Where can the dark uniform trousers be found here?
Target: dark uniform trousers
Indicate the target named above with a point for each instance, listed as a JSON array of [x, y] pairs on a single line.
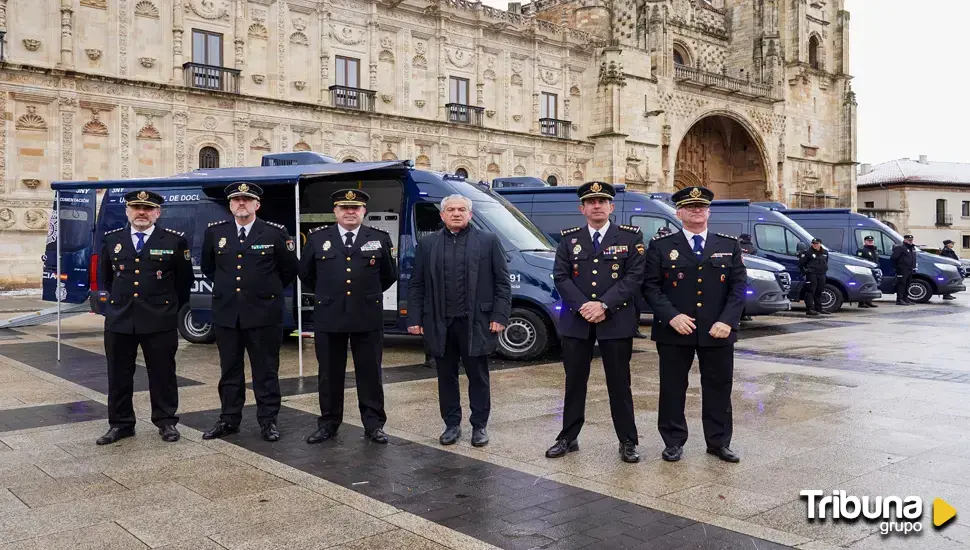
[[814, 285], [367, 348], [144, 292], [263, 346], [476, 368], [717, 375], [903, 279]]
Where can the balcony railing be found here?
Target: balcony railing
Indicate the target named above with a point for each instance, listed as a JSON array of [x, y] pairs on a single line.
[[465, 114], [945, 220], [211, 77], [554, 128], [357, 99], [722, 83]]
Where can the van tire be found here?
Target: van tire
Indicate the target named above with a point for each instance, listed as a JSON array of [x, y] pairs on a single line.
[[526, 336], [832, 296], [193, 332], [923, 291]]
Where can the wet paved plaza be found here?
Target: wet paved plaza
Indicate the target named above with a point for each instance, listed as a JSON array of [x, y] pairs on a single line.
[[873, 402]]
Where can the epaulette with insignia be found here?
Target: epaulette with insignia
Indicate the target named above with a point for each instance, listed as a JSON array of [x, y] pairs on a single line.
[[570, 230], [315, 229], [276, 225], [630, 228], [220, 222], [658, 237], [377, 229], [179, 233], [727, 236], [113, 231]]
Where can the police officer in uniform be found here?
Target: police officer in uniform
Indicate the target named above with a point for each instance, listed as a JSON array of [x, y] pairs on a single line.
[[349, 266], [694, 282], [948, 252], [870, 253], [250, 262], [147, 275], [746, 245], [814, 263], [904, 260], [598, 271]]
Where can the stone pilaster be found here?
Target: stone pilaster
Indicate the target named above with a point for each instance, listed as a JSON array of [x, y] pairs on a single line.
[[67, 35], [178, 29], [323, 17]]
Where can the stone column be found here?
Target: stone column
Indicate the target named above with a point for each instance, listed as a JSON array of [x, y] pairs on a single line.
[[241, 131], [373, 38], [3, 131], [3, 15], [67, 34], [842, 44], [125, 112], [181, 120], [323, 16], [123, 37], [406, 63], [239, 29], [282, 11], [178, 17], [67, 110]]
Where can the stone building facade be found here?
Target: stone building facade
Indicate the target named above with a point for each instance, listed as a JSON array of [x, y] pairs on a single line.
[[750, 97]]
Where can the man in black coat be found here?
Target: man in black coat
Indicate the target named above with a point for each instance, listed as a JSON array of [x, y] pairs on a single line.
[[348, 266], [904, 261], [146, 271], [250, 261], [948, 252], [460, 298], [870, 253], [598, 271], [814, 264], [695, 282]]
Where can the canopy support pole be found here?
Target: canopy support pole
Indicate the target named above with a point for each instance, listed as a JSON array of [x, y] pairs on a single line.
[[57, 279], [298, 295]]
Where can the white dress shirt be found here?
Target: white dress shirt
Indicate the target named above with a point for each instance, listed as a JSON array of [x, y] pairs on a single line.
[[690, 238], [248, 226], [343, 234], [602, 231], [134, 238]]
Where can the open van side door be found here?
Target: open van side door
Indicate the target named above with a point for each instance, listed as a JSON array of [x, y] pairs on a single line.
[[73, 223]]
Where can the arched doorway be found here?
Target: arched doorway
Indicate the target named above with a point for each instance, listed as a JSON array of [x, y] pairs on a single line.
[[720, 154]]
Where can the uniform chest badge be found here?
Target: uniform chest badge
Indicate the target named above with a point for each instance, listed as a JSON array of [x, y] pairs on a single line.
[[117, 248], [723, 277], [616, 267], [290, 245], [577, 249], [674, 254], [573, 241], [222, 242], [373, 261], [158, 274], [326, 245], [680, 275]]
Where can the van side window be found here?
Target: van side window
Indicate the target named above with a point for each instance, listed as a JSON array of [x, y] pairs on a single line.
[[777, 239], [552, 224], [832, 238], [734, 229], [427, 219], [649, 225], [883, 243]]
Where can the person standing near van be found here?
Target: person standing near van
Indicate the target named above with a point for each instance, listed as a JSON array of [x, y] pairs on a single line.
[[459, 299], [250, 261], [147, 273], [746, 245], [870, 253], [348, 266], [598, 271], [948, 252], [814, 263], [695, 282], [904, 261]]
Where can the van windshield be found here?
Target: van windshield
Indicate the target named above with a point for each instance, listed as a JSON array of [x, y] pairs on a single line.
[[511, 225]]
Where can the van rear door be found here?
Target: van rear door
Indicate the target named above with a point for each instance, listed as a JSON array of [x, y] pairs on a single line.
[[73, 225]]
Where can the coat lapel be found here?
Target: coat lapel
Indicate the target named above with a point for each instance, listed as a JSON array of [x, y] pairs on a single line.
[[254, 233], [152, 239], [612, 233], [685, 249], [710, 245]]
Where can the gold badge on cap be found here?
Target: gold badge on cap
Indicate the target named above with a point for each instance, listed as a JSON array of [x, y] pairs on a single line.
[[326, 245], [142, 196], [117, 248], [596, 187], [674, 254], [222, 242], [350, 195], [695, 193], [577, 249], [243, 188]]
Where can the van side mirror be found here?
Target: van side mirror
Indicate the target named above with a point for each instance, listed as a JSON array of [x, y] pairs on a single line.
[[801, 247]]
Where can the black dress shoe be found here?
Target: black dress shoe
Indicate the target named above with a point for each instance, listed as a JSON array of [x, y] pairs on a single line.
[[823, 312], [479, 437], [628, 452], [377, 436], [221, 429], [811, 313], [725, 454], [270, 432], [639, 335], [562, 447], [870, 304], [863, 305], [673, 453], [169, 434], [115, 434], [450, 435], [321, 435]]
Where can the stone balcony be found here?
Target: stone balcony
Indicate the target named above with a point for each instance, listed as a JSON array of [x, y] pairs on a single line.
[[719, 83]]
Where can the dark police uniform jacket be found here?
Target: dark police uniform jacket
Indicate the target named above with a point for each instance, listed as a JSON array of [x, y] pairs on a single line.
[[815, 262], [248, 279], [710, 290], [904, 259], [348, 285], [868, 253], [613, 276], [949, 253], [147, 289]]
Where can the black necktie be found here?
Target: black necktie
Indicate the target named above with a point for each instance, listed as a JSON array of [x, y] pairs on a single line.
[[349, 239], [242, 234], [596, 242]]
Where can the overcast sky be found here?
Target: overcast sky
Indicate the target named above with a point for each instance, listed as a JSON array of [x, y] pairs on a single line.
[[912, 80]]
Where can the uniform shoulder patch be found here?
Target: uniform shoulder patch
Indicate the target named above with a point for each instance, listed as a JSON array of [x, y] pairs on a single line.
[[570, 230], [315, 229], [113, 231], [658, 237], [174, 232], [726, 236], [630, 228], [220, 222]]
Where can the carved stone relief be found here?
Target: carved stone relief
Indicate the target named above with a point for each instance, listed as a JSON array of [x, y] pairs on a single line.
[[31, 120], [208, 9], [94, 126]]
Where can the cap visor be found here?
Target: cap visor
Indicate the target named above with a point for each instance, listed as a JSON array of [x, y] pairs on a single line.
[[142, 203], [694, 202], [349, 203], [248, 195], [596, 196]]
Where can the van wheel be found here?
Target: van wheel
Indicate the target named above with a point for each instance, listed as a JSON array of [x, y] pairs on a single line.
[[831, 299], [193, 331], [526, 336], [919, 291]]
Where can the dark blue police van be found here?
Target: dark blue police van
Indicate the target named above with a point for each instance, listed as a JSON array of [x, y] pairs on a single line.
[[404, 202], [553, 209], [843, 230]]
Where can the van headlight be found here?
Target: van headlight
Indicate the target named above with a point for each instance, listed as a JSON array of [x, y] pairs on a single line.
[[761, 275], [947, 267], [859, 270]]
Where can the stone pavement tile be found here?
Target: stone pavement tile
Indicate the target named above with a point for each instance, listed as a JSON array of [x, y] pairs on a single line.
[[194, 544], [97, 537], [590, 461], [114, 459], [47, 520], [892, 441], [437, 532], [792, 517], [784, 483], [47, 437], [398, 539], [313, 529], [960, 449], [53, 491], [20, 474], [143, 474], [726, 500], [178, 524], [840, 458], [819, 545], [220, 485], [952, 537], [656, 478], [10, 503], [887, 483], [935, 466]]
